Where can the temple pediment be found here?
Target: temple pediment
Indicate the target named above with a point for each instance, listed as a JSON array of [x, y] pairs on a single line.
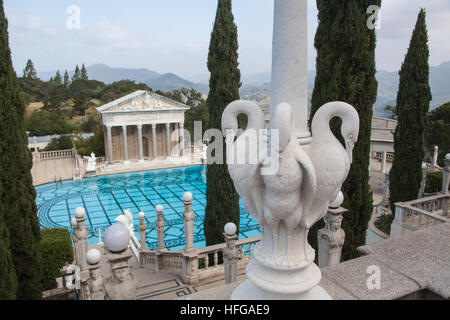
[[141, 101]]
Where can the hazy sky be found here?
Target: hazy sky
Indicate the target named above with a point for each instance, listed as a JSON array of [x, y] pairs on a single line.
[[173, 35]]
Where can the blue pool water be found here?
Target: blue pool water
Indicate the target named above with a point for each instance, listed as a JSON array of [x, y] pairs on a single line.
[[104, 198]]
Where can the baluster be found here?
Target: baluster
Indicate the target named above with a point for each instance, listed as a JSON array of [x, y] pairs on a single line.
[[216, 259], [426, 221], [242, 251], [250, 250], [206, 261]]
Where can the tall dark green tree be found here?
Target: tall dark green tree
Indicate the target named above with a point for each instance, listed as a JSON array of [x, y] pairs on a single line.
[[29, 72], [8, 280], [413, 103], [17, 194], [66, 81], [77, 74], [58, 78], [84, 74], [346, 72], [222, 200]]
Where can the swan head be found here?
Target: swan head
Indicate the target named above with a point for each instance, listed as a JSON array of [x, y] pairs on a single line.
[[350, 132], [230, 115], [283, 121]]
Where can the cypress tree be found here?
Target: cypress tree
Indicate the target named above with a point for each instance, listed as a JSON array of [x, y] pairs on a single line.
[[17, 194], [77, 74], [222, 199], [84, 75], [58, 78], [66, 80], [8, 281], [346, 72], [29, 72], [413, 102]]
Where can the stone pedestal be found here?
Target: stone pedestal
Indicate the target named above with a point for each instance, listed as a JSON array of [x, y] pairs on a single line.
[[423, 183], [446, 175], [188, 217], [331, 238], [160, 224], [122, 285], [230, 257]]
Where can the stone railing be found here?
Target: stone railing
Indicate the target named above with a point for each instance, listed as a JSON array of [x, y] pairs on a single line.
[[211, 267], [60, 154], [98, 160], [420, 214], [389, 156], [197, 264]]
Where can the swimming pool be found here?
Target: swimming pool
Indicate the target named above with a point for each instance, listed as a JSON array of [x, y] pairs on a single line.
[[105, 197]]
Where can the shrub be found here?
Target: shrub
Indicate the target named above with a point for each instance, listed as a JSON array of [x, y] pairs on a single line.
[[56, 251], [384, 222], [63, 142], [434, 182]]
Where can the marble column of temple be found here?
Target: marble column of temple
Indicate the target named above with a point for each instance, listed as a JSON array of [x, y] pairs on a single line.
[[167, 139], [125, 143], [140, 146]]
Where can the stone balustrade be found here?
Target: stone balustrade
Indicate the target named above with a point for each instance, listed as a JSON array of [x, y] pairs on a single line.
[[59, 154], [420, 214]]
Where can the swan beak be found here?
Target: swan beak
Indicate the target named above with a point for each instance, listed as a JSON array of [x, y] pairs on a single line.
[[349, 148]]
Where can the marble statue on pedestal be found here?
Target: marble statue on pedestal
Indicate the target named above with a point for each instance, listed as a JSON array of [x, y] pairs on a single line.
[[287, 204], [331, 238], [230, 253], [123, 284], [91, 167]]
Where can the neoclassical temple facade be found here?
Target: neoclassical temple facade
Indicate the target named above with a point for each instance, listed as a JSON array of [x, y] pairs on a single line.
[[140, 126]]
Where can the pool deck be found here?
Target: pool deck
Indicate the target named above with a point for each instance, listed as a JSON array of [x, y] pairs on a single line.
[[53, 170]]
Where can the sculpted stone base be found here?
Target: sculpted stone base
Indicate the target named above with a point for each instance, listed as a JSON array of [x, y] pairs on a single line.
[[267, 283]]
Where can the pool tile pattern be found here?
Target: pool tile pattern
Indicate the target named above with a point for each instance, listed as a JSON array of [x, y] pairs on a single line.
[[104, 198]]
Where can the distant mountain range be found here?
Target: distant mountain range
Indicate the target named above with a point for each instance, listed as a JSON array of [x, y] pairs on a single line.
[[256, 87]]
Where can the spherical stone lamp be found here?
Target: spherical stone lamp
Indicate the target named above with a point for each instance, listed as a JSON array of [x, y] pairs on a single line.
[[339, 200], [187, 196], [159, 208], [116, 238], [93, 256], [80, 212], [447, 156], [230, 229], [141, 215]]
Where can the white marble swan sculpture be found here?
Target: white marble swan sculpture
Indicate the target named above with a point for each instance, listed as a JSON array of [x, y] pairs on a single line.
[[278, 202], [331, 160]]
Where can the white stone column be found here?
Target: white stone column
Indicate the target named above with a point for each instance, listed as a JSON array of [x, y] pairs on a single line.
[[230, 252], [168, 139], [82, 234], [188, 217], [423, 183], [160, 223], [385, 201], [446, 175], [435, 156], [383, 162], [125, 143], [140, 146], [181, 129], [109, 144], [289, 61], [142, 228], [154, 149]]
